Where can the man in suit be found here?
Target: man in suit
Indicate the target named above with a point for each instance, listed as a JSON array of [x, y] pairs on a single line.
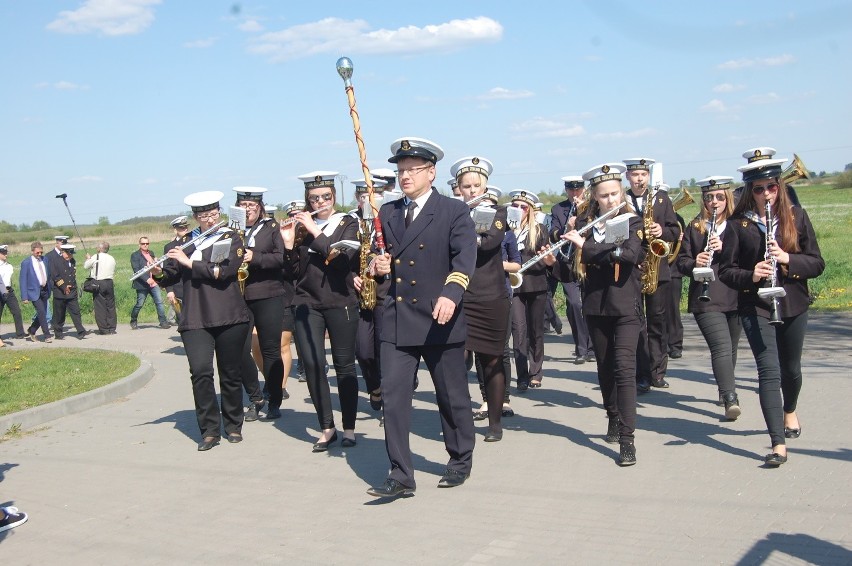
[[145, 285], [431, 254], [33, 283]]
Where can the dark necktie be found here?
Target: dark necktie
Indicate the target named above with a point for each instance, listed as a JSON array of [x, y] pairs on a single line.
[[409, 213]]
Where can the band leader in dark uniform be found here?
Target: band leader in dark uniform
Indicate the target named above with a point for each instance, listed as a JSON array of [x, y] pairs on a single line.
[[431, 245], [776, 333], [264, 293], [65, 292], [714, 303], [611, 303], [214, 319], [486, 305], [325, 301]]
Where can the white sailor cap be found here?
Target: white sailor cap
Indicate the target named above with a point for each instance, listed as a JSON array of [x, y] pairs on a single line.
[[386, 175], [759, 154], [318, 179], [4, 249], [415, 147], [663, 187], [68, 248], [604, 172], [639, 163], [471, 165], [294, 206], [715, 183], [180, 222], [62, 239], [494, 193], [524, 195], [270, 210], [361, 185], [573, 182], [763, 169], [203, 201], [254, 194], [453, 183]]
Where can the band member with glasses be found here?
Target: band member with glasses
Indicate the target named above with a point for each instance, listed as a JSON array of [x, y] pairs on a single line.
[[530, 298], [325, 301], [214, 319], [264, 295], [612, 293], [788, 255], [486, 305], [714, 303], [431, 254]]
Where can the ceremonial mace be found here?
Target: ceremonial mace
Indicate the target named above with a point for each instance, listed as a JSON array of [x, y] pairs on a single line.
[[64, 196]]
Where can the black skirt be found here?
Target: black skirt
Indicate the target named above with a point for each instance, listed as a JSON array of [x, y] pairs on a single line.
[[487, 326]]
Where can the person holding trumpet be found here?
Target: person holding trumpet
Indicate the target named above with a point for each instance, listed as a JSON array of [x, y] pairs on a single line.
[[611, 282], [712, 302], [774, 242]]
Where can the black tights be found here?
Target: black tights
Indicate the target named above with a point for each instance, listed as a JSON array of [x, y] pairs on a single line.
[[494, 377]]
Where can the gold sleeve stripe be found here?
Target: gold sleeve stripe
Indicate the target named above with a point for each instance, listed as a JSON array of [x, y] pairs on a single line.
[[459, 278]]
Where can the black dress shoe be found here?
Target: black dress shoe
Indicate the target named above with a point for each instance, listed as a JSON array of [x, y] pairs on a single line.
[[348, 442], [453, 478], [643, 387], [589, 357], [480, 415], [507, 411], [675, 354], [660, 383], [273, 413], [208, 443], [535, 384], [235, 437], [494, 435], [732, 407], [792, 432], [627, 454], [82, 334], [774, 460], [323, 446], [579, 361], [391, 488], [523, 386], [376, 401]]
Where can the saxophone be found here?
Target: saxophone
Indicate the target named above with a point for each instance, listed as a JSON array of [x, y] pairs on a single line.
[[367, 297], [657, 249]]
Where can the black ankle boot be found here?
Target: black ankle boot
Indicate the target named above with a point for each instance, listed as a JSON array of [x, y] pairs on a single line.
[[732, 406], [627, 455], [612, 434]]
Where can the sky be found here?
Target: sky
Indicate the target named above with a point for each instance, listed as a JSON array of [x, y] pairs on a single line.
[[127, 106]]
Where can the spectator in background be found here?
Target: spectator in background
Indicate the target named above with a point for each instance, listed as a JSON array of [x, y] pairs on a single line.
[[7, 293], [101, 267], [145, 285], [33, 283]]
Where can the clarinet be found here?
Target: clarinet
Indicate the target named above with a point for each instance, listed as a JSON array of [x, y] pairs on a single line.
[[705, 288], [773, 292]]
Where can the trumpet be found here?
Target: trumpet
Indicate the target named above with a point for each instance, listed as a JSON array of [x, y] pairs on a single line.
[[290, 221], [515, 279], [705, 274], [163, 259]]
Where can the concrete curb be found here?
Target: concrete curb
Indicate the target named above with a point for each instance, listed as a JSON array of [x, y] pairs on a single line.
[[36, 416]]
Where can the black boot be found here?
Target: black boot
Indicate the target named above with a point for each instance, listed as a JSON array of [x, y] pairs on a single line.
[[732, 406], [612, 434], [627, 455]]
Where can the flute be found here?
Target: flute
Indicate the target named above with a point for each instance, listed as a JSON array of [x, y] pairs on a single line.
[[293, 220], [163, 258]]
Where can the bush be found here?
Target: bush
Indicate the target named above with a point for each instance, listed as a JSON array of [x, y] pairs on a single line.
[[844, 180]]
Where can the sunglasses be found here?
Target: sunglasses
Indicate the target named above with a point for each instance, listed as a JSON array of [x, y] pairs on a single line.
[[721, 197], [317, 198], [521, 206], [771, 187]]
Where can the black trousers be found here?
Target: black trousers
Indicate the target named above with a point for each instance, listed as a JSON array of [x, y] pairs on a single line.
[[60, 306], [104, 306], [368, 345], [226, 342], [653, 351], [614, 338], [341, 324], [721, 331], [528, 334], [674, 324], [40, 318], [763, 341], [10, 300], [446, 366], [267, 315], [574, 312], [551, 317], [791, 341]]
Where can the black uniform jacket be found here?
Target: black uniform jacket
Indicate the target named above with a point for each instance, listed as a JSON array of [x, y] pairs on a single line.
[[488, 281], [563, 269], [176, 289], [320, 285], [603, 295], [535, 278], [747, 249], [208, 301], [723, 297], [64, 273], [265, 269], [665, 216], [435, 257]]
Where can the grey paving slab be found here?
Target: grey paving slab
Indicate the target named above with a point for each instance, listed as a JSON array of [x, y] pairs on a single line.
[[123, 483]]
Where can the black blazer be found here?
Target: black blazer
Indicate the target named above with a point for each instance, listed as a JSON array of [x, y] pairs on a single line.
[[535, 278], [723, 297], [265, 278], [488, 281]]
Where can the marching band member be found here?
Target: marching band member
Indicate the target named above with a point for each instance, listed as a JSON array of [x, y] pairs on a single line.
[[714, 303], [264, 294], [65, 292], [486, 305], [653, 341], [563, 216], [325, 300], [611, 303], [790, 255], [174, 294], [214, 320], [530, 297]]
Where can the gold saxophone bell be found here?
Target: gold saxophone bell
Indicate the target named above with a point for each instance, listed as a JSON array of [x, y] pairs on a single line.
[[681, 200], [242, 275], [178, 305]]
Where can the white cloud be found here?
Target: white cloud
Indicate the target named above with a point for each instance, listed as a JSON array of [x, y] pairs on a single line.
[[107, 17], [540, 128], [62, 85], [641, 133], [500, 93], [87, 179], [727, 87], [737, 64], [250, 26], [335, 35], [767, 98], [201, 43], [715, 105]]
